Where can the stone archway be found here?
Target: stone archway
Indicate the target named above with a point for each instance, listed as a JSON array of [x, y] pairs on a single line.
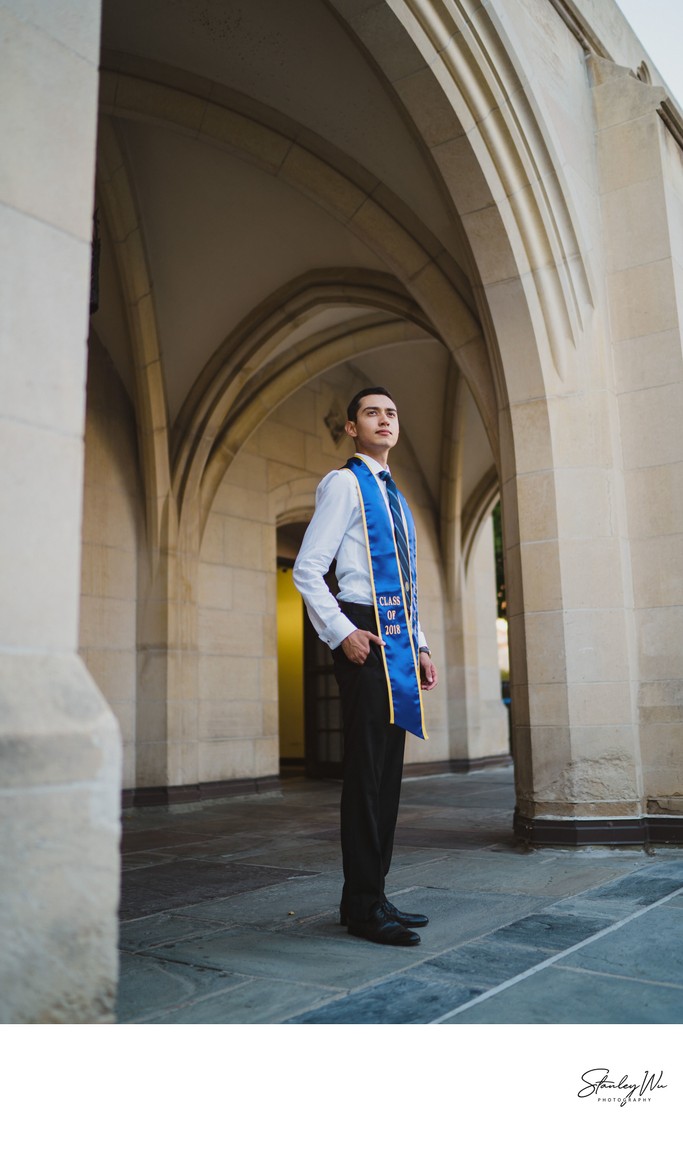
[[220, 410], [564, 320], [460, 78], [522, 333]]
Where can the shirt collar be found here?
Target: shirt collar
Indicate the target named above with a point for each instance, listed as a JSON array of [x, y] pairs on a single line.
[[374, 466]]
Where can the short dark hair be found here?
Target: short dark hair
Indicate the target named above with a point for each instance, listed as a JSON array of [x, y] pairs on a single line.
[[352, 409]]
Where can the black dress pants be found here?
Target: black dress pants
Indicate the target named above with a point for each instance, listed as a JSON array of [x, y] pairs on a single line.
[[373, 766]]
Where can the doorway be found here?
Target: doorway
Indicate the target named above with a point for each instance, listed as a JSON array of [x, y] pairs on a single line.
[[309, 708]]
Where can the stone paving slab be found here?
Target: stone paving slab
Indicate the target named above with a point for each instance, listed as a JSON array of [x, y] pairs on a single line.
[[613, 909], [142, 859], [174, 884], [446, 818], [254, 1001], [144, 840], [326, 850], [665, 861], [649, 948], [496, 822], [402, 1000], [145, 933], [441, 836], [442, 839], [258, 817], [333, 962], [459, 818], [278, 907], [302, 854], [327, 856], [641, 888], [557, 996], [552, 876], [440, 787], [485, 963], [413, 861], [416, 816], [551, 931], [147, 985], [223, 846]]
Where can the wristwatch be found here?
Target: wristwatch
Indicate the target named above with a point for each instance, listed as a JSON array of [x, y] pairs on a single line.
[[426, 651]]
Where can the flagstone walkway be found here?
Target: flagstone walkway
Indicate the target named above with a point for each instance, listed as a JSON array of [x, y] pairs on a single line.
[[229, 916]]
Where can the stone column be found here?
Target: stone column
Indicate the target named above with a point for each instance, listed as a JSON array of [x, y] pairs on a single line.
[[477, 717], [575, 741], [167, 731], [59, 744], [639, 140], [487, 719]]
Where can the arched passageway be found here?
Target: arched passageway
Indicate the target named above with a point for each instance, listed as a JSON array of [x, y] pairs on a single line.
[[468, 285], [476, 206]]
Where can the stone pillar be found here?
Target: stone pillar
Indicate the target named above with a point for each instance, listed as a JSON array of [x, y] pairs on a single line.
[[575, 740], [167, 732], [641, 184], [596, 649], [478, 726], [59, 743], [487, 719]]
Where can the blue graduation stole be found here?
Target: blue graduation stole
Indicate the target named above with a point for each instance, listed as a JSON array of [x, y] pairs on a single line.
[[400, 655]]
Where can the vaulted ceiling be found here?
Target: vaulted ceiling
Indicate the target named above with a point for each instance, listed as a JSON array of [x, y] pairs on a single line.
[[234, 244]]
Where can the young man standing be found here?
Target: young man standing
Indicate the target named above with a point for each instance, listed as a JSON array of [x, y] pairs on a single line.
[[382, 662]]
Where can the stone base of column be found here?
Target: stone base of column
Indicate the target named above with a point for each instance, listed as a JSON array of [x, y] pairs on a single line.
[[59, 843], [648, 830]]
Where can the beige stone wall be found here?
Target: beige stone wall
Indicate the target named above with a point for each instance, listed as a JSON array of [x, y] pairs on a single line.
[[236, 629], [112, 529]]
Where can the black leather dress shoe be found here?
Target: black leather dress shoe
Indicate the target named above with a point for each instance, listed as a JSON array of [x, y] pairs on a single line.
[[405, 919], [413, 921], [380, 928]]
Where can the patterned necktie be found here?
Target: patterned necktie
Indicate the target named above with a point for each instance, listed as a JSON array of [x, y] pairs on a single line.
[[399, 532]]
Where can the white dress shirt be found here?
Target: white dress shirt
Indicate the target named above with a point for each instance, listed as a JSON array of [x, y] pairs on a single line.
[[336, 532]]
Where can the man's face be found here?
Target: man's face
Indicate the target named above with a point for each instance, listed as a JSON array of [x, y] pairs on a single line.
[[375, 427]]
